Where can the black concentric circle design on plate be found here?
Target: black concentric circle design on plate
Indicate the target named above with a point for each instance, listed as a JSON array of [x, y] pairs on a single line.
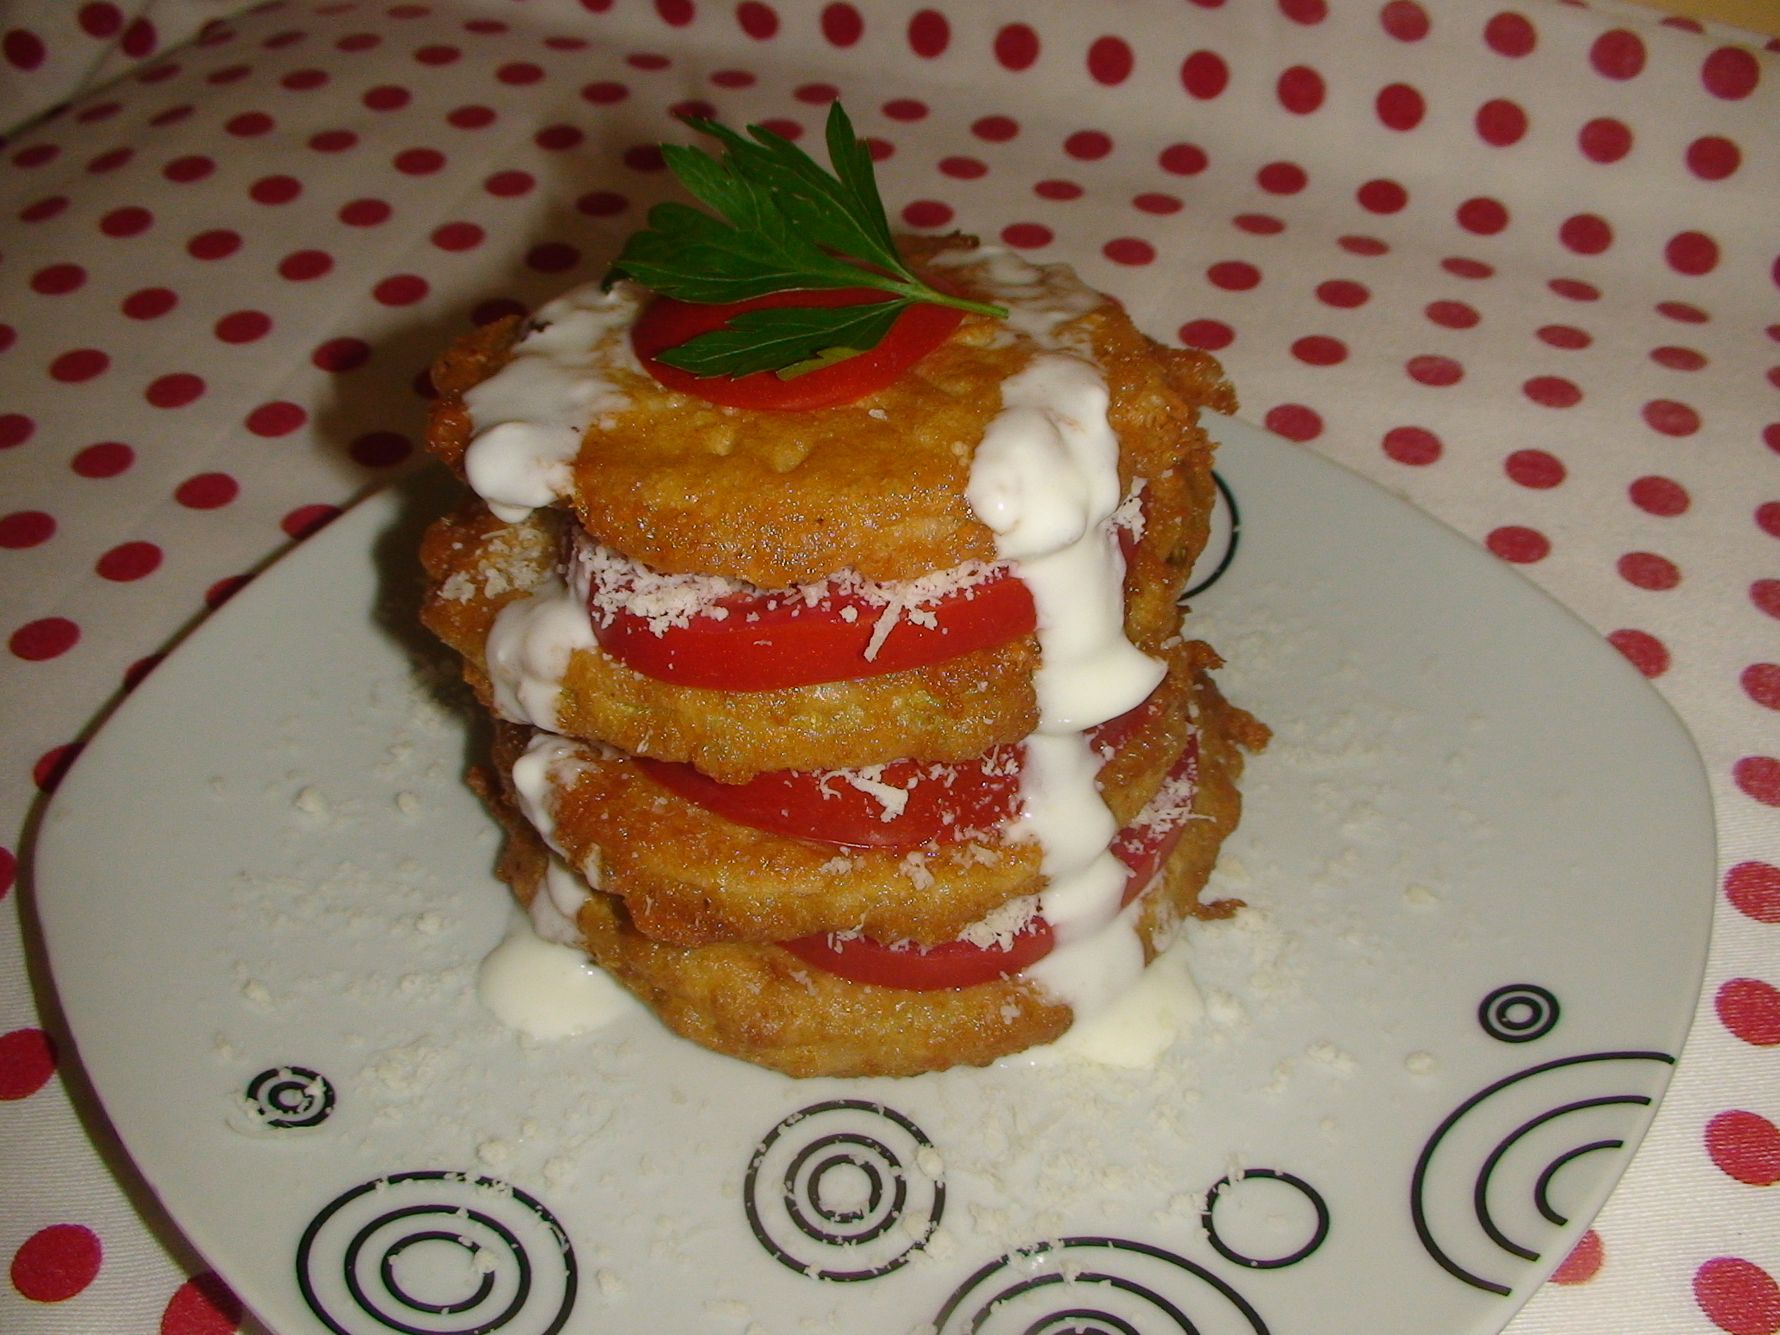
[[1220, 544], [1518, 1013], [1315, 1235], [290, 1097], [430, 1253], [1488, 1191], [845, 1190], [1095, 1286]]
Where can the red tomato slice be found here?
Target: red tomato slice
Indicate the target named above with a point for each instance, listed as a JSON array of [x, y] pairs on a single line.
[[767, 642], [950, 801], [961, 964], [943, 803], [912, 968], [666, 323]]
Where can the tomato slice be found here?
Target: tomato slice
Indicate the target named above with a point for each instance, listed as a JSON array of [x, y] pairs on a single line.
[[953, 964], [931, 969], [943, 802], [766, 641], [666, 323]]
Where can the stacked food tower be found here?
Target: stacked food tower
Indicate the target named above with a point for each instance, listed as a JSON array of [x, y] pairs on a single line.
[[823, 588]]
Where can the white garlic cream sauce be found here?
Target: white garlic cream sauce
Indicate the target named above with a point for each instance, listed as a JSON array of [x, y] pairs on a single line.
[[1045, 481], [528, 418]]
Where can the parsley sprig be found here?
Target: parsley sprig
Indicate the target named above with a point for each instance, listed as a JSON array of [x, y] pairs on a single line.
[[784, 224]]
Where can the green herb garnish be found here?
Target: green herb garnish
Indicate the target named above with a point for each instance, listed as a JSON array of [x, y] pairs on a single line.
[[786, 224]]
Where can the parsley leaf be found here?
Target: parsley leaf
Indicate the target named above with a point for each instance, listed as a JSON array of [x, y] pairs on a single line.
[[780, 223]]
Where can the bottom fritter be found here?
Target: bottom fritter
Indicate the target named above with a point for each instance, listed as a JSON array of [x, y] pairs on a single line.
[[764, 1005]]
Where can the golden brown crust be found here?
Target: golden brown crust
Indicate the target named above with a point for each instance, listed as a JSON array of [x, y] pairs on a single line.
[[756, 1002], [876, 486], [690, 877], [952, 710]]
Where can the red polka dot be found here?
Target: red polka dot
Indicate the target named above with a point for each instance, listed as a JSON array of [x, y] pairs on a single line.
[[150, 303], [1405, 20], [333, 141], [1204, 74], [43, 639], [1016, 46], [1305, 11], [1586, 233], [1026, 236], [1678, 359], [1574, 289], [1294, 421], [1129, 250], [1518, 544], [1282, 178], [1765, 595], [1234, 275], [1617, 54], [1183, 159], [1565, 336], [1110, 61], [403, 289], [1259, 224], [126, 222], [1452, 314], [1412, 445], [1759, 778], [1300, 90], [23, 49], [1510, 34], [842, 24], [1343, 293], [456, 236], [79, 365], [1761, 683], [1435, 371], [203, 1305], [1691, 253], [277, 418], [207, 491], [107, 458], [57, 1262], [1501, 122], [1713, 157], [1683, 312], [1730, 72], [243, 326], [1088, 145], [759, 21], [216, 244], [307, 519], [1534, 468], [381, 449], [1212, 335], [129, 561], [1750, 1009], [1643, 650], [474, 116], [1583, 1263], [1552, 391], [9, 867], [302, 266], [1382, 196], [1767, 518], [1671, 418], [1399, 107], [27, 1061], [1604, 140], [54, 280], [927, 213], [1319, 350], [1739, 1296], [1150, 201], [274, 190], [962, 168], [185, 170], [1482, 215], [929, 33], [1754, 888], [1659, 496], [1647, 570], [602, 204], [996, 129], [26, 528], [175, 390]]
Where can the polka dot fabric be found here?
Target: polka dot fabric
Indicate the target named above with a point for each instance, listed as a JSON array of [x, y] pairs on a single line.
[[1515, 262]]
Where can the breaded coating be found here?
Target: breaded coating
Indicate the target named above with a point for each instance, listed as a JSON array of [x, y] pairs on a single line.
[[763, 1005], [875, 486], [951, 710], [689, 876]]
